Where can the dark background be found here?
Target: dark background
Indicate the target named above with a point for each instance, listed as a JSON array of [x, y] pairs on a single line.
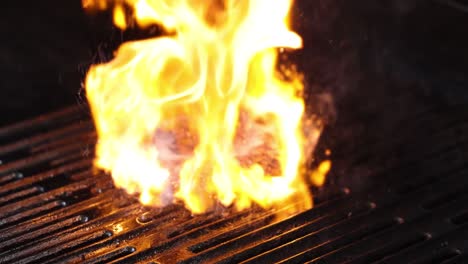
[[360, 52]]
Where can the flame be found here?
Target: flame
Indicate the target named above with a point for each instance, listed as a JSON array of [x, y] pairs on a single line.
[[202, 114]]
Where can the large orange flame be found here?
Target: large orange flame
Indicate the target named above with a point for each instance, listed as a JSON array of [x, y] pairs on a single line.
[[201, 114]]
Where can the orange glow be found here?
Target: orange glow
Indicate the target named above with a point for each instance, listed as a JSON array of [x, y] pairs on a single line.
[[119, 17], [318, 176], [203, 115]]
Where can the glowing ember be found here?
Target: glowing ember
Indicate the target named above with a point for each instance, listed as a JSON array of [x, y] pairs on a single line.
[[202, 115]]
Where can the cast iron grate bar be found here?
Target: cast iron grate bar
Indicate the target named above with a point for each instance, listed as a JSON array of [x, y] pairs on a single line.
[[55, 208]]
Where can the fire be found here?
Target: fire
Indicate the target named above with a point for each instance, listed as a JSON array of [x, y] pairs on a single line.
[[202, 114]]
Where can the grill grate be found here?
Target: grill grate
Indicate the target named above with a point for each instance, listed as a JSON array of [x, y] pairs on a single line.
[[54, 208]]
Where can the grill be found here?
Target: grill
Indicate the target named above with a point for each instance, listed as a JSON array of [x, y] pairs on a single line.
[[397, 192], [391, 199]]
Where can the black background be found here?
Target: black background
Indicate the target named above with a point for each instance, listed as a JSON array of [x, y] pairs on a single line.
[[360, 52]]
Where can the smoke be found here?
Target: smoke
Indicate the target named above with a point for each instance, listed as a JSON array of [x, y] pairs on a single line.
[[400, 41], [368, 62], [368, 65]]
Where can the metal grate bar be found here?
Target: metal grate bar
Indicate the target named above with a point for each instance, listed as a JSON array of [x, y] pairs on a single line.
[[70, 114]]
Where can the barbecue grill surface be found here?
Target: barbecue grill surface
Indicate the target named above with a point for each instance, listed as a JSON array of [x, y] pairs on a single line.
[[397, 196]]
